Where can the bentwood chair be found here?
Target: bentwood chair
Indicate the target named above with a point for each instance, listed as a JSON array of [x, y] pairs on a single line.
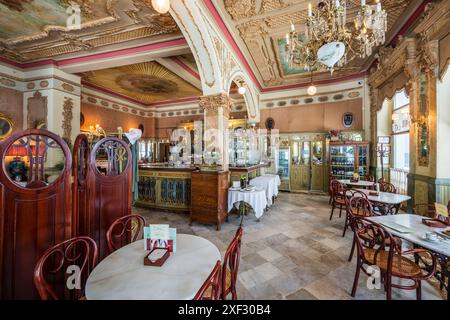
[[55, 266], [368, 178], [388, 187], [337, 197], [360, 207], [230, 266], [124, 230], [210, 290], [371, 239]]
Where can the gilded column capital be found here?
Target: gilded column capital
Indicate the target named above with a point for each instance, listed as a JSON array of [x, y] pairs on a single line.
[[212, 103]]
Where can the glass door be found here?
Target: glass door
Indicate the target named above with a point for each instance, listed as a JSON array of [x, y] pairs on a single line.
[[317, 166], [342, 161], [363, 160], [283, 167]]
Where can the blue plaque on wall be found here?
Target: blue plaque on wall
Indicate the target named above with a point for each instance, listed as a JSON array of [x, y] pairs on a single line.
[[347, 119]]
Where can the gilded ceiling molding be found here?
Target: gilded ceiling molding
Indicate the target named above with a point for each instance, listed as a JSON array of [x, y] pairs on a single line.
[[124, 23]]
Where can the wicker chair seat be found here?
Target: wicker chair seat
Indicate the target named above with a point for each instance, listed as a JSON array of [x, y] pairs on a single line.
[[208, 292], [401, 267]]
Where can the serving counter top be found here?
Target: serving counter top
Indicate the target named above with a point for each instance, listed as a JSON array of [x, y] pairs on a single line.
[[163, 167], [249, 168]]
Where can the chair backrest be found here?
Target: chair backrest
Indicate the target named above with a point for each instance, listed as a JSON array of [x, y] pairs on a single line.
[[371, 235], [231, 262], [75, 258], [388, 187], [125, 230], [368, 178], [336, 188], [359, 206], [210, 290]]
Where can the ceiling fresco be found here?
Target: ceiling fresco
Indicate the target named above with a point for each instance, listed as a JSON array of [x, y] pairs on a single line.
[[147, 82], [261, 26], [37, 29]]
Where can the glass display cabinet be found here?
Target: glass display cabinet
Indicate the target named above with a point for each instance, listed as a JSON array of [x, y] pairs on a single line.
[[346, 158], [238, 148], [284, 165]]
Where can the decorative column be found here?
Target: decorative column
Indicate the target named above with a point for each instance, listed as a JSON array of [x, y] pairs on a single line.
[[216, 117]]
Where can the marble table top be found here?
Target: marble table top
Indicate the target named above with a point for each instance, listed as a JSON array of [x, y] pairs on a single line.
[[360, 183], [386, 197], [414, 232], [123, 276]]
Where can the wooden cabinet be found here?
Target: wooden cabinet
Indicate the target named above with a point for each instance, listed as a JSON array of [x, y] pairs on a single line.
[[209, 197], [349, 157]]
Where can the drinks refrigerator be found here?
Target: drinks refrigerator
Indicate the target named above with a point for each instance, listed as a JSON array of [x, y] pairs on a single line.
[[284, 167], [346, 158]]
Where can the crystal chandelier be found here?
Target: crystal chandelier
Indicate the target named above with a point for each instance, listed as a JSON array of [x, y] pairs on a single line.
[[330, 39]]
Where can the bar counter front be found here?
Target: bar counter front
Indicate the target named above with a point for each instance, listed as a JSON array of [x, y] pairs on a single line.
[[203, 194], [165, 187]]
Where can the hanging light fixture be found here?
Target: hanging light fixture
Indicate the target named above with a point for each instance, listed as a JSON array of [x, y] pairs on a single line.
[[312, 89], [161, 6], [242, 90], [327, 26]]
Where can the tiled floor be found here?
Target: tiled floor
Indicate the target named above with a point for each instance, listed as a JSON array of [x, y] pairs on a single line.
[[294, 252]]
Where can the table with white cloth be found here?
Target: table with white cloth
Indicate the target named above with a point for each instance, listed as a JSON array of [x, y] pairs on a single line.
[[123, 276], [256, 199], [269, 183]]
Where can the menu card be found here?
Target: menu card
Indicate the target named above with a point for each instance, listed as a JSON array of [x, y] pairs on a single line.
[[441, 209], [160, 236]]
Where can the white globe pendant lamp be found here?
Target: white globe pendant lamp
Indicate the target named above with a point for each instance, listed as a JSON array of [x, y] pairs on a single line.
[[242, 90], [161, 6], [312, 89]]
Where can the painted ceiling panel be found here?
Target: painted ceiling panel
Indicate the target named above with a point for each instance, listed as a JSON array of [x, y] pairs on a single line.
[[147, 82]]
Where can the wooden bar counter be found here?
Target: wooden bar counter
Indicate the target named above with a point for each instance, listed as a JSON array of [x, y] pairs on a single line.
[[165, 187]]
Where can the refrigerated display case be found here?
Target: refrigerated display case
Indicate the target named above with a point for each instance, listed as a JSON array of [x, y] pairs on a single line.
[[346, 158], [284, 167]]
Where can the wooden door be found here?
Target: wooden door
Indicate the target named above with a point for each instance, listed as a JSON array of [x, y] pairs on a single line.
[[35, 212], [112, 172]]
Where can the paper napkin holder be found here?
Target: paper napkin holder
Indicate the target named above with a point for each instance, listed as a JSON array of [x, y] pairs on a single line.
[[160, 261]]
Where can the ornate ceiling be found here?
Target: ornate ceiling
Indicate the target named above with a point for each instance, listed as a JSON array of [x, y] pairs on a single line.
[[261, 26], [146, 83], [37, 29]]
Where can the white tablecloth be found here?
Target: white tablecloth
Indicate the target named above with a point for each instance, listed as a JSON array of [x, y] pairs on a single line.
[[123, 276], [270, 183], [256, 199]]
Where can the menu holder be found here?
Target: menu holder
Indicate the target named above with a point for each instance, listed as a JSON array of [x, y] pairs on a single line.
[[156, 257], [374, 193], [434, 223]]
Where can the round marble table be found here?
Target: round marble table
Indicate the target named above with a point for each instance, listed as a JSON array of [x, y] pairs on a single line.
[[359, 183], [123, 276]]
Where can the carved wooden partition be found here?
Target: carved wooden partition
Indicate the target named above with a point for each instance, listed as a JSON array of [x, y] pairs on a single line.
[[35, 214], [82, 204], [110, 166]]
